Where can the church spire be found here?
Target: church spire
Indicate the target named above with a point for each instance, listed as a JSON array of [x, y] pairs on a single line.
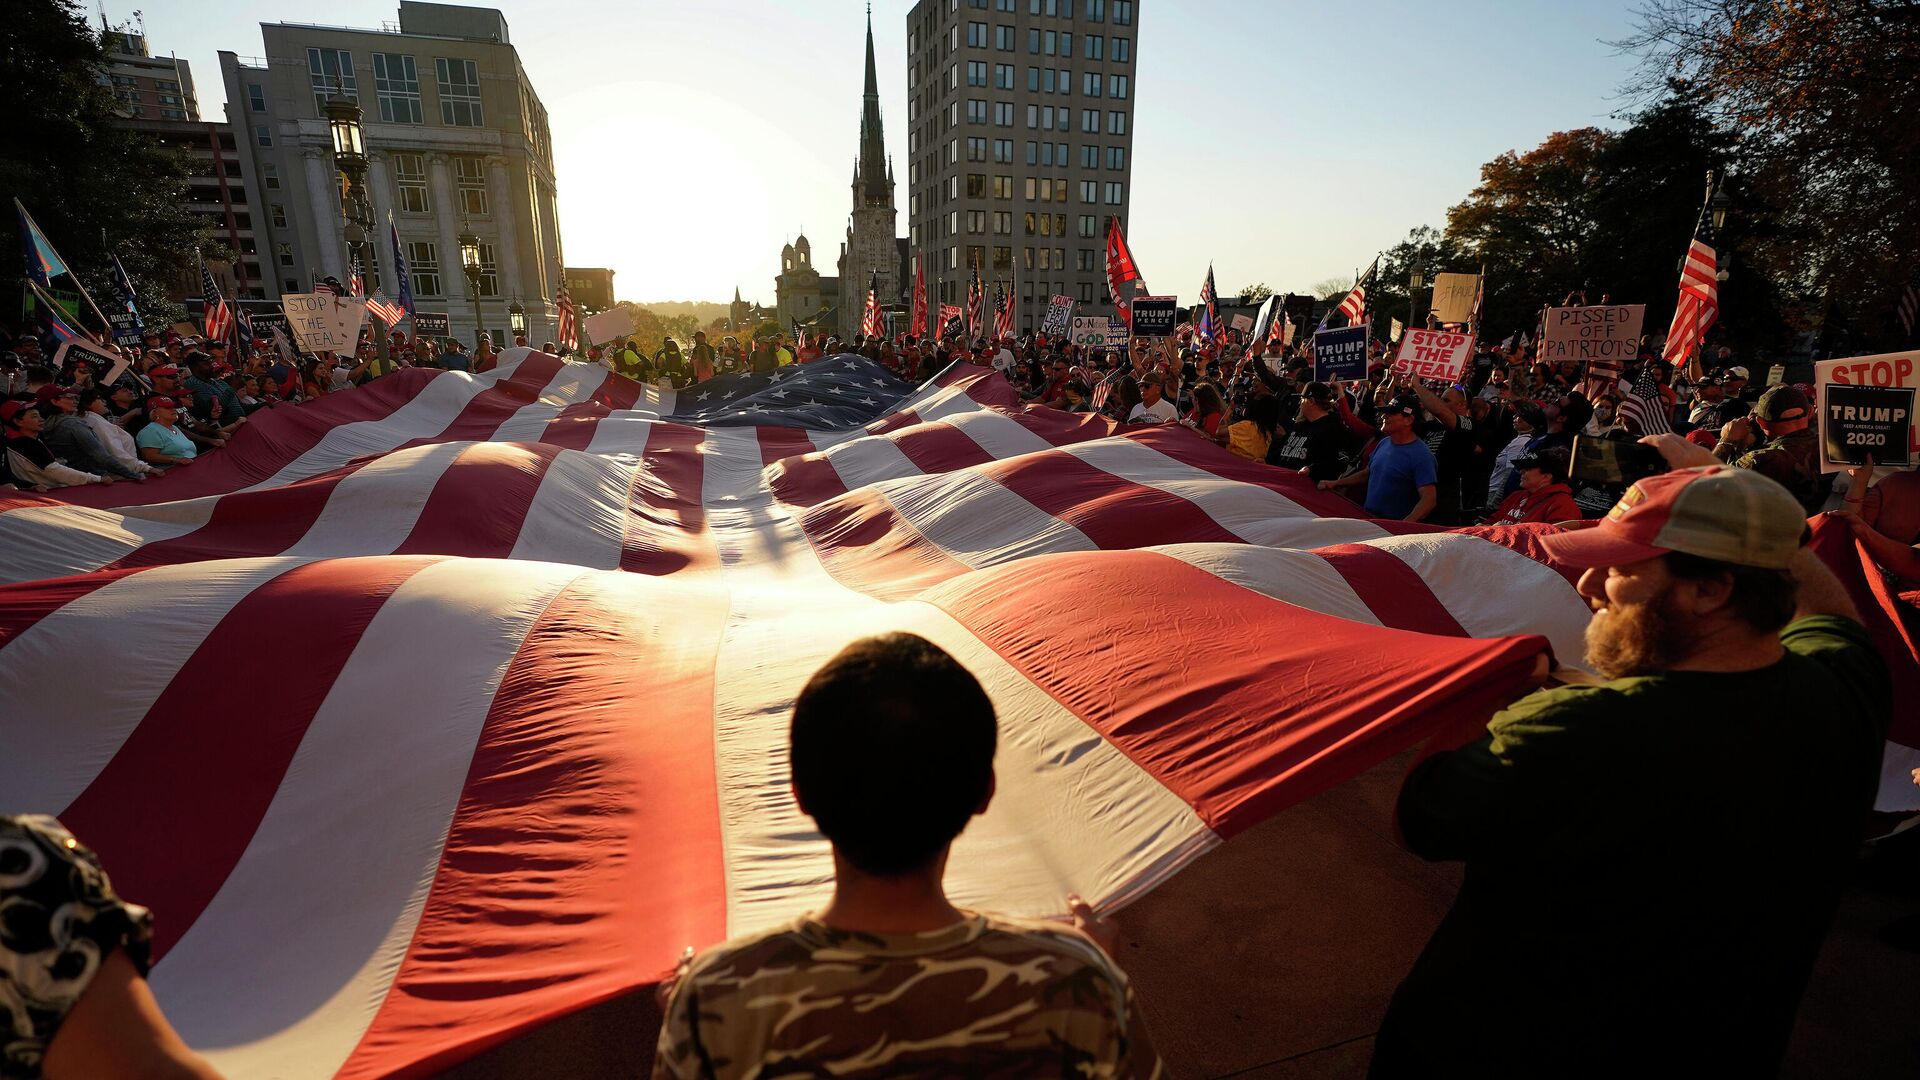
[[870, 177]]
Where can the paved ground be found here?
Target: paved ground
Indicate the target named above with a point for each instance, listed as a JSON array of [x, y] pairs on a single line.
[[1274, 956]]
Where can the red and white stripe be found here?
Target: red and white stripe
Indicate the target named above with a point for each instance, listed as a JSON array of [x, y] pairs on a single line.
[[521, 737], [1699, 304]]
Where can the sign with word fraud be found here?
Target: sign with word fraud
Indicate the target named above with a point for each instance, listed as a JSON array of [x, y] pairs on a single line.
[[1434, 354], [1901, 369], [1606, 333], [323, 322], [1155, 316], [1453, 296], [1861, 421], [1059, 314], [1340, 354]]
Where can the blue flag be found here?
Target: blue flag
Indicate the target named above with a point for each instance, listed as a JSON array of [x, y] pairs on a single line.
[[43, 263], [400, 271], [126, 316]]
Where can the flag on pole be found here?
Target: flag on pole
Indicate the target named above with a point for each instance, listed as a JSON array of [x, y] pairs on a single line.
[[1206, 320], [54, 330], [870, 318], [242, 331], [1354, 307], [123, 285], [385, 310], [403, 278], [567, 323], [976, 299], [919, 318], [1907, 309], [1003, 318], [217, 319], [356, 284], [1122, 272], [1643, 410], [43, 264], [1699, 304]]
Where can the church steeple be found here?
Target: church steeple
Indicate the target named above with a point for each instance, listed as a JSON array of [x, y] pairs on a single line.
[[872, 181]]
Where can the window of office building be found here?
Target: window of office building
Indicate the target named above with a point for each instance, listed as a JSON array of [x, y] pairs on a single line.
[[1116, 157], [489, 271], [1096, 10], [256, 97], [285, 254], [459, 84], [1003, 114], [1086, 225], [1089, 191], [269, 174], [976, 73], [1122, 12], [470, 178], [410, 178], [1117, 86], [1089, 156], [329, 70], [1122, 50], [1003, 38], [1117, 123], [976, 185], [263, 135], [976, 110], [1003, 187], [1116, 193], [1090, 84], [976, 35], [397, 86], [424, 262], [976, 148], [1003, 76], [1003, 151], [1002, 223], [1096, 47], [1086, 292], [1003, 258]]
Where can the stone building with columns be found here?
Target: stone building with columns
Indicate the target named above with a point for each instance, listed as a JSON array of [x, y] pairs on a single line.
[[456, 139]]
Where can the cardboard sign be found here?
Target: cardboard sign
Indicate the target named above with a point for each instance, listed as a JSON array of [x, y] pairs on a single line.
[[1606, 334], [323, 322], [1059, 316], [1395, 329], [609, 324], [1242, 323], [1776, 374], [432, 324], [1088, 331], [1901, 369], [1434, 354], [1858, 421], [1453, 296], [1155, 316], [1340, 353]]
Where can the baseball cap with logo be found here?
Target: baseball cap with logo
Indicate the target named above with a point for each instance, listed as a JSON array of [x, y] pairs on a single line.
[[161, 403], [165, 371], [1782, 403], [1716, 512]]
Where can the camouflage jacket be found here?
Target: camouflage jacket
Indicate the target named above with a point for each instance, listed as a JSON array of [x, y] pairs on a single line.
[[1793, 460], [987, 997]]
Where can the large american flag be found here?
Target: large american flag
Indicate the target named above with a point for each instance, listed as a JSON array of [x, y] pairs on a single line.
[[217, 318], [549, 625], [1642, 408], [1354, 307], [1699, 302]]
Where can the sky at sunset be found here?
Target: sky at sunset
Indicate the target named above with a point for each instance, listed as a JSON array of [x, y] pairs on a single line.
[[1284, 142]]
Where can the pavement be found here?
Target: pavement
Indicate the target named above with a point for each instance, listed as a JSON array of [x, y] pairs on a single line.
[[1272, 958]]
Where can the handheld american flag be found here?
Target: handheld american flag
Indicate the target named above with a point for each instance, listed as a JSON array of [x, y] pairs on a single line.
[[1003, 312], [1699, 304], [567, 323], [1206, 319], [1354, 307], [385, 310], [1907, 309], [217, 319], [976, 300], [356, 282], [1643, 410], [870, 319]]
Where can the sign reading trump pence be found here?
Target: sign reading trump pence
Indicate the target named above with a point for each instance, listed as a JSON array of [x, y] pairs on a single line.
[[1433, 354]]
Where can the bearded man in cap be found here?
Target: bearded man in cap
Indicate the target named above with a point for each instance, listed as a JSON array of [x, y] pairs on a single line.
[[1652, 861], [1791, 451]]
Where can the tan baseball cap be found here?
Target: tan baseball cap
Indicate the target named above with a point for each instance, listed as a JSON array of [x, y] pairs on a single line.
[[1716, 512]]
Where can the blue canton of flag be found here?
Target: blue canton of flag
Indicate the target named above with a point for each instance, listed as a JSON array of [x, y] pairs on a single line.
[[839, 391], [402, 276]]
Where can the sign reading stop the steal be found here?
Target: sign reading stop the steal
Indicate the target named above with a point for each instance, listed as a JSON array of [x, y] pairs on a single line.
[[1433, 354], [1900, 370], [1857, 422]]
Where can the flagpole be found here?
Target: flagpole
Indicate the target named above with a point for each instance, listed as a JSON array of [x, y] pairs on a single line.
[[71, 272]]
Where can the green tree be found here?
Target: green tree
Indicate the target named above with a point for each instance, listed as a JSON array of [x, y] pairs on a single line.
[[95, 188]]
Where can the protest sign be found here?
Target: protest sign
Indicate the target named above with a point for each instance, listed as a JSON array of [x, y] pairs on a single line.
[[612, 323], [1088, 331], [1901, 369], [1340, 353], [432, 324], [1607, 334], [1857, 421], [126, 327], [1059, 314], [1434, 354], [323, 322], [185, 329], [1453, 296], [1118, 336], [1395, 329], [1776, 374], [265, 322], [1242, 323], [1155, 316]]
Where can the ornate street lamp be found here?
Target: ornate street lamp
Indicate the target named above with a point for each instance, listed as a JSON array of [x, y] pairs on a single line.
[[356, 213], [1718, 205], [1414, 284], [517, 318], [470, 264]]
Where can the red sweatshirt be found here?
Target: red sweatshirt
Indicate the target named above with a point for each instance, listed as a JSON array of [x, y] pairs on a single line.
[[1550, 504]]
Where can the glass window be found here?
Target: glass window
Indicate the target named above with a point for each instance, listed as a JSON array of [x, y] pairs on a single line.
[[976, 110], [1089, 156], [1033, 79], [1033, 152], [976, 73], [489, 271], [1095, 47], [1003, 76], [270, 174], [1003, 151], [1091, 84], [1096, 10], [1122, 50], [1117, 86], [1115, 194], [1003, 113], [256, 97], [410, 177], [1003, 38], [1003, 187], [470, 177], [1002, 223], [1051, 42], [1066, 45], [328, 69], [263, 134], [397, 86], [1116, 157], [1033, 42], [1116, 122], [976, 35], [459, 85], [1122, 12], [424, 262], [1089, 191]]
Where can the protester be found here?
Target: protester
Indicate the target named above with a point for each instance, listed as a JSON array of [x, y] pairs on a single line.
[[1319, 441], [67, 434], [1543, 495], [1791, 453], [1400, 477], [1652, 861], [890, 978], [97, 409], [29, 461], [1152, 408], [161, 440]]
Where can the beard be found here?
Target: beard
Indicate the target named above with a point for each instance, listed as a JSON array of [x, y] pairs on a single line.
[[1637, 639]]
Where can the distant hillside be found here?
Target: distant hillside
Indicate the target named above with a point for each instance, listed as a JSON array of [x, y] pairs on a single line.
[[703, 311]]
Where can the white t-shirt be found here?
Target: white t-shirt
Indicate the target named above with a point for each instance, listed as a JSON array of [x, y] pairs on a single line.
[[1003, 360], [1160, 412]]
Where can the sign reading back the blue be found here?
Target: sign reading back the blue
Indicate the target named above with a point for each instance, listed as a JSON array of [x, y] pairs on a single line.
[[1340, 353]]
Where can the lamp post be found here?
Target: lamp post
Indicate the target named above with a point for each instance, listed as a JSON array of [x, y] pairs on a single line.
[[517, 319], [470, 265], [1418, 279], [356, 213]]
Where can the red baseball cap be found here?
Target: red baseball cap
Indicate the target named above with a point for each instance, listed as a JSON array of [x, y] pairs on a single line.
[[161, 403], [10, 409], [51, 392], [1716, 512], [166, 371]]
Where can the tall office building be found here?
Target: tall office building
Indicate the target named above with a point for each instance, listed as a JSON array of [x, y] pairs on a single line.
[[1020, 145], [145, 86], [456, 140]]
